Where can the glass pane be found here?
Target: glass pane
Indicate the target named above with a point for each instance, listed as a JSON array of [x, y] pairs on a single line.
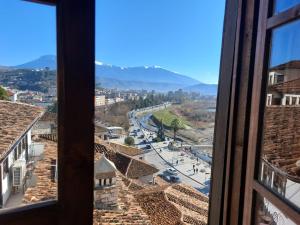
[[282, 5], [266, 213], [141, 164], [280, 157], [28, 150]]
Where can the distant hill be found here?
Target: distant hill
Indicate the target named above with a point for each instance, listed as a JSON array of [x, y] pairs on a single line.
[[4, 68], [142, 77], [40, 63]]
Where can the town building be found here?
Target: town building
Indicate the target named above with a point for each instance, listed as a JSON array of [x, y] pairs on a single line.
[[99, 100], [109, 101], [13, 96], [16, 122]]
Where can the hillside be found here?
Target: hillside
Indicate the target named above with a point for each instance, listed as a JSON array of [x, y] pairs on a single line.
[[125, 78]]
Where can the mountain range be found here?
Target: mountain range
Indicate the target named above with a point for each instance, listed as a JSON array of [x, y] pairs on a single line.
[[138, 78]]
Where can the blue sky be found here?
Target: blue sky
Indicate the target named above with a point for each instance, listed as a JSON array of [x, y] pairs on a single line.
[[179, 35]]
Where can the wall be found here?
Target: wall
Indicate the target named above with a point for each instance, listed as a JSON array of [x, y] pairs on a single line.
[[7, 181]]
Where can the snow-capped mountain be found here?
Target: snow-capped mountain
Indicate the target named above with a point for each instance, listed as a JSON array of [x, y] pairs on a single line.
[[142, 77]]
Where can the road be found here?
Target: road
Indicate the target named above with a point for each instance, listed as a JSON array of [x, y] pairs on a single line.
[[163, 158]]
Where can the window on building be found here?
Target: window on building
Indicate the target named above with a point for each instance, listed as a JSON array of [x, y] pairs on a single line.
[[15, 154], [5, 168], [155, 103], [276, 184], [19, 147], [254, 176], [28, 86]]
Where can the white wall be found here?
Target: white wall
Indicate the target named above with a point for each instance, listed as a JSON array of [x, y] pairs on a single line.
[[7, 181]]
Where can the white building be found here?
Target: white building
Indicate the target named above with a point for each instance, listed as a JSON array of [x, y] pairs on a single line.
[[99, 100], [16, 121], [110, 101]]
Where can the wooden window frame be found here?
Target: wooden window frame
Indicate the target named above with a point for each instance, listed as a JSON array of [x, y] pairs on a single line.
[[76, 79], [267, 22], [75, 21]]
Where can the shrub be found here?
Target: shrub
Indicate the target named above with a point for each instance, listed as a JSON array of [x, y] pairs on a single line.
[[129, 141]]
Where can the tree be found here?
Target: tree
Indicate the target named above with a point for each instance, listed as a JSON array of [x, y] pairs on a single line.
[[3, 94], [129, 141], [160, 132], [175, 124]]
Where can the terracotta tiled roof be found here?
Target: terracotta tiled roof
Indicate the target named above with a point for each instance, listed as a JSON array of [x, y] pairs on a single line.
[[289, 87], [174, 205], [15, 119], [281, 147], [129, 211], [44, 188], [138, 168], [49, 116], [294, 64], [138, 203], [129, 166]]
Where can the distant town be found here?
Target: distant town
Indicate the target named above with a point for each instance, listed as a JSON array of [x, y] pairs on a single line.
[[144, 139]]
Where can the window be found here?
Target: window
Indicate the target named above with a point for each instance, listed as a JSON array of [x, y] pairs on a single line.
[[19, 149], [29, 80], [15, 154], [154, 124], [240, 176], [5, 168], [274, 139]]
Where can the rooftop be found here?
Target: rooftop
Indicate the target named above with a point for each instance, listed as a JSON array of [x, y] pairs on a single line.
[[281, 140], [162, 204], [15, 119], [289, 87]]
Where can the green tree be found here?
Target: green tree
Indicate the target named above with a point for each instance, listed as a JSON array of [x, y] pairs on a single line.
[[175, 124], [160, 132], [3, 94], [129, 141]]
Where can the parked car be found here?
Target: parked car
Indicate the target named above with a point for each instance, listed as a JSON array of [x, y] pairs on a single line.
[[174, 179], [171, 171], [148, 146], [170, 178]]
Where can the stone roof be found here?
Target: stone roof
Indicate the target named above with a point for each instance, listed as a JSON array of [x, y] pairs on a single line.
[[15, 120]]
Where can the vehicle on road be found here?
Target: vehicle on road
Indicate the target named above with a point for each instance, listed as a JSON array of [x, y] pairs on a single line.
[[170, 178], [171, 171], [148, 146]]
